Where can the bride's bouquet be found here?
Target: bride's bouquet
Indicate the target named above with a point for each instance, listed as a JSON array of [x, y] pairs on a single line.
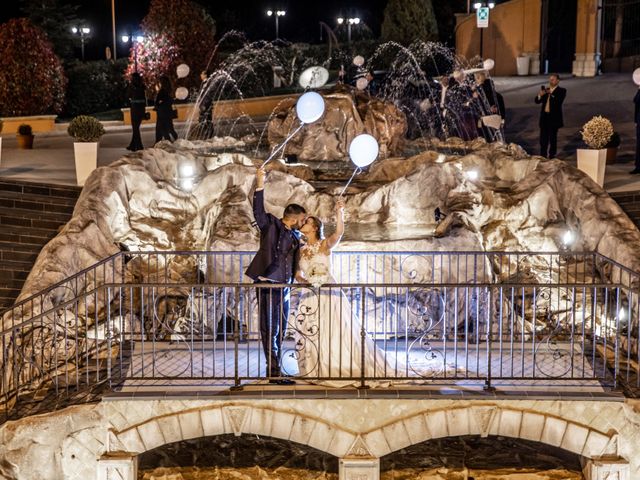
[[319, 275]]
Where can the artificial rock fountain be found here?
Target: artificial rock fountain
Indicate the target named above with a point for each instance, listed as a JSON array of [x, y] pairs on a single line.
[[516, 202]]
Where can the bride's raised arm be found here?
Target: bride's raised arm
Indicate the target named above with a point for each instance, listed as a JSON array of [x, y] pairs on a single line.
[[334, 239]]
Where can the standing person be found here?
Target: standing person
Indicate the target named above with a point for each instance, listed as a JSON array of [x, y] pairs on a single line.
[[138, 102], [164, 111], [551, 99], [275, 262], [205, 108], [636, 117]]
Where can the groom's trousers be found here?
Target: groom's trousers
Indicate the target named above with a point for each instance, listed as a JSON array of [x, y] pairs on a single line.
[[273, 310]]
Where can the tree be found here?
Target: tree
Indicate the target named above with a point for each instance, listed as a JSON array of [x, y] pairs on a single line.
[[187, 28], [56, 19], [32, 80], [156, 56], [406, 21]]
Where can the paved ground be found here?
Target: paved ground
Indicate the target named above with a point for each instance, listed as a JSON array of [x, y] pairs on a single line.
[[610, 95]]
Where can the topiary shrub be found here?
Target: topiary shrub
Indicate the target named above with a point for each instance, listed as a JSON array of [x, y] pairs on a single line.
[[25, 130], [95, 87], [32, 80], [85, 129], [175, 32]]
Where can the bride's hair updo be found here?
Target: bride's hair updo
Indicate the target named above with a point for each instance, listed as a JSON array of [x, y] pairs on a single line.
[[317, 223]]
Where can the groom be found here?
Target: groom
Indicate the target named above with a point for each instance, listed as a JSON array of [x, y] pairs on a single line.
[[275, 262]]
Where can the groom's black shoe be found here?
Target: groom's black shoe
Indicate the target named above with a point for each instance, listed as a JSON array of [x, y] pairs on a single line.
[[282, 381]]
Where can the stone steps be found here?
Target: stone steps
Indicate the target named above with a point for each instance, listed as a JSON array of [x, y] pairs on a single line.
[[31, 214]]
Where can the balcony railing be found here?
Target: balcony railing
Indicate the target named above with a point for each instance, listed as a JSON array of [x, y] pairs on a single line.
[[164, 320]]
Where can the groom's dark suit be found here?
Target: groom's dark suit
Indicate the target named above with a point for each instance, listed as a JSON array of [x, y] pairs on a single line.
[[276, 262]]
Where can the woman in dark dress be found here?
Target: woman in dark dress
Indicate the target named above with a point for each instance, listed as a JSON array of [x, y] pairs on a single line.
[[138, 103], [164, 111]]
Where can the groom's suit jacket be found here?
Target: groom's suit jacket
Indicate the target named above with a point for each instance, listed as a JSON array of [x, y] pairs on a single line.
[[277, 258]]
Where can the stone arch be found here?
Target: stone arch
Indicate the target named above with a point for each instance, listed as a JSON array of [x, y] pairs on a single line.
[[235, 419], [488, 420]]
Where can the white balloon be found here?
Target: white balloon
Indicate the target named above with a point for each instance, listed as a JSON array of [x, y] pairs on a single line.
[[310, 107], [182, 93], [636, 76], [358, 60], [488, 64], [363, 150], [182, 70], [362, 83]]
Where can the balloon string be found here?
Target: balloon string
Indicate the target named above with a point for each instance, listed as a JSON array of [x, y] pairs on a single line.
[[282, 145], [355, 172]]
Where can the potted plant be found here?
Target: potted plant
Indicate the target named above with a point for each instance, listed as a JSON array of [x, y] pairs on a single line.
[[596, 133], [612, 148], [86, 132], [25, 136]]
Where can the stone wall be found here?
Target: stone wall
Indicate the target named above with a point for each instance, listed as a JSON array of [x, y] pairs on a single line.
[[76, 442]]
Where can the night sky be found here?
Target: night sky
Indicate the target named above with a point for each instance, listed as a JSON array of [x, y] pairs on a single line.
[[300, 23]]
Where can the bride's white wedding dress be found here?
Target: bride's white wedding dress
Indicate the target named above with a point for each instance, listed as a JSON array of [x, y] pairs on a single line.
[[329, 333]]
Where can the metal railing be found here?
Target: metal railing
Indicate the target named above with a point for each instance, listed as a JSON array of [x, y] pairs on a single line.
[[162, 318]]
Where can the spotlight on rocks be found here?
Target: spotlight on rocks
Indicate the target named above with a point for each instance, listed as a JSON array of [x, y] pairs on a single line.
[[472, 174], [441, 158], [568, 238], [186, 177]]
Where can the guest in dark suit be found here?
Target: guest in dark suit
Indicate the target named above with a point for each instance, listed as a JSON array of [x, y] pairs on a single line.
[[275, 262], [551, 99], [636, 117], [164, 111]]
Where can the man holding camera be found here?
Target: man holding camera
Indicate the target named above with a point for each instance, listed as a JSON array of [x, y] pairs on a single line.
[[551, 99]]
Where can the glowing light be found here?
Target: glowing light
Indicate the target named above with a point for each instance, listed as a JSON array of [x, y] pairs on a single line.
[[186, 184], [186, 170], [472, 174], [568, 237], [125, 38], [441, 158]]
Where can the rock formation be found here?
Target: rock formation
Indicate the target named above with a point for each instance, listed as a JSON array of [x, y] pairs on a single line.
[[348, 112]]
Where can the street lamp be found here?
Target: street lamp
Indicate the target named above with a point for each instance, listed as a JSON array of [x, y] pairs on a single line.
[[134, 39], [277, 14], [82, 31], [349, 22], [476, 6]]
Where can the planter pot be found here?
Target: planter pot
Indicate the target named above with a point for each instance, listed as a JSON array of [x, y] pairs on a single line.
[[593, 163], [522, 65], [611, 155], [86, 154], [25, 141]]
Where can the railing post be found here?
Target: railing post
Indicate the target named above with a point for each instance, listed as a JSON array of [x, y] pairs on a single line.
[[363, 338], [487, 384], [107, 331], [236, 338]]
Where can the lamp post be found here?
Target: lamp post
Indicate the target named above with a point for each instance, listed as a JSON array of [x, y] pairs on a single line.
[[113, 27], [134, 39], [483, 5], [349, 22], [82, 31], [276, 14]]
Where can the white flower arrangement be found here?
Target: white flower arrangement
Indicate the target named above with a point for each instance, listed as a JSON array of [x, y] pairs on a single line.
[[597, 132]]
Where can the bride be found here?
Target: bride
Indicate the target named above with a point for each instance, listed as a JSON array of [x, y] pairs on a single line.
[[329, 333]]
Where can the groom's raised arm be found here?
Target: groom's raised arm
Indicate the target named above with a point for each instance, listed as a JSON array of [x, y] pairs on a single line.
[[261, 217]]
